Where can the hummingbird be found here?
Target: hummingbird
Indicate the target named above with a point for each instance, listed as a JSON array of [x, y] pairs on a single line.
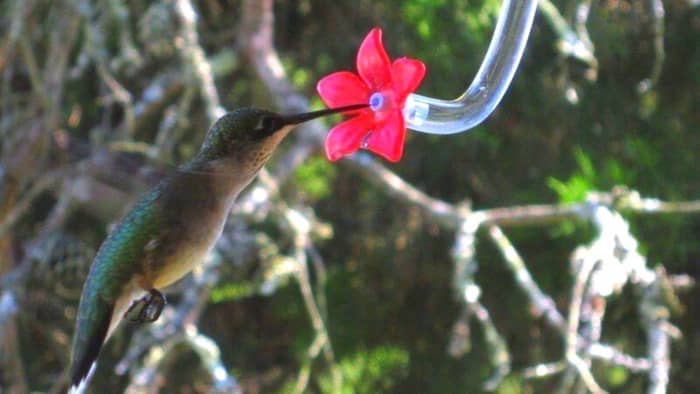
[[172, 227]]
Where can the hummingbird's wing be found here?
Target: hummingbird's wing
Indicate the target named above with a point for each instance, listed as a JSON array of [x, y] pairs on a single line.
[[118, 261]]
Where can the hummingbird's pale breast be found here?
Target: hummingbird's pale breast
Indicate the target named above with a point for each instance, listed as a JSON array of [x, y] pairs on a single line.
[[197, 204]]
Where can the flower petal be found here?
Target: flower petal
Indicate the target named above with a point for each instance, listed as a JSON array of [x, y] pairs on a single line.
[[373, 62], [341, 89], [387, 140], [347, 137], [406, 74]]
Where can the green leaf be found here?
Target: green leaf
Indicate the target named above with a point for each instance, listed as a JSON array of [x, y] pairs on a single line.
[[315, 177], [373, 371]]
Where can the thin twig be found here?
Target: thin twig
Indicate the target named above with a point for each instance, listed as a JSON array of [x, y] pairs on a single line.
[[35, 78], [542, 302], [47, 181], [655, 318], [194, 56], [440, 211], [95, 48], [16, 18], [498, 351], [10, 354], [321, 278], [544, 370], [301, 227], [584, 268], [570, 43], [613, 356], [656, 8]]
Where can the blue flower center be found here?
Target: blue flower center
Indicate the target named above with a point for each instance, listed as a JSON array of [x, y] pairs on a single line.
[[377, 101]]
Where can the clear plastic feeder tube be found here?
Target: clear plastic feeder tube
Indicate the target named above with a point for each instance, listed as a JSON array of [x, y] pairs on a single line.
[[435, 116]]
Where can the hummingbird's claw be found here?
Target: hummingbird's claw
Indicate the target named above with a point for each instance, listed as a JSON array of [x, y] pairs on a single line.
[[151, 306]]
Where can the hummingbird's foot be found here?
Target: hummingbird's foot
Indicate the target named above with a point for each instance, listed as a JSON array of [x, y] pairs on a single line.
[[151, 305]]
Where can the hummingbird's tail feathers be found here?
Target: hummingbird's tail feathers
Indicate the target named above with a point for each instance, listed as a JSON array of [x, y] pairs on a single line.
[[91, 333]]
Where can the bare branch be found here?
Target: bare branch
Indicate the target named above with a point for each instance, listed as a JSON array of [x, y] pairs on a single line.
[[584, 371], [194, 56], [439, 211], [498, 351], [16, 18], [613, 356], [656, 9], [655, 317], [95, 49], [571, 43], [8, 309], [544, 370], [44, 183], [584, 267], [10, 353], [542, 302]]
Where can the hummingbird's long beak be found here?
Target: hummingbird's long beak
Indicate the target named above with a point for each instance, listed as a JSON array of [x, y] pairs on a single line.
[[300, 118]]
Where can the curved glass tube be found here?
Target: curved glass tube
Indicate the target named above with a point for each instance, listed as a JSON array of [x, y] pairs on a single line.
[[434, 116]]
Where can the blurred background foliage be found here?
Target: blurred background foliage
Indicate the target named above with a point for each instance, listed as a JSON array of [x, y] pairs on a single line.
[[558, 134]]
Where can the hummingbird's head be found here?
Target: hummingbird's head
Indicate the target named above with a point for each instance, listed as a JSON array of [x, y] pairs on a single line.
[[248, 136]]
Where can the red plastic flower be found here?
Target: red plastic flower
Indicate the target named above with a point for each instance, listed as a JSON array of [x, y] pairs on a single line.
[[384, 86]]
